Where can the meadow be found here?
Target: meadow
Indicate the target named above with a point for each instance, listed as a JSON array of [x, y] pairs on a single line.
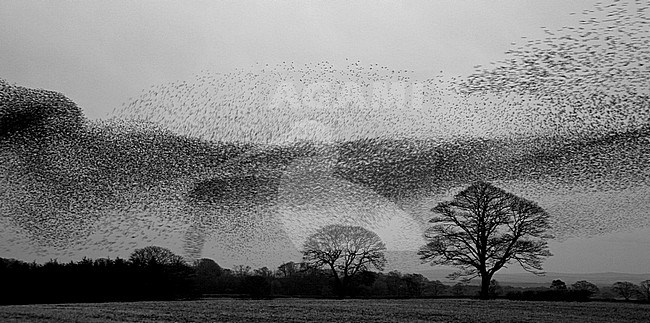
[[328, 310]]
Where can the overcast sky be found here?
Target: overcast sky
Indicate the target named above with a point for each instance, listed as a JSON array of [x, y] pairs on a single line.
[[101, 53]]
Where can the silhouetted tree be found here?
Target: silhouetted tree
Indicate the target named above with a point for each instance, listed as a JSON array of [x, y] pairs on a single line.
[[241, 271], [263, 272], [154, 255], [626, 290], [288, 269], [482, 230], [159, 273], [558, 285], [644, 289], [586, 286], [207, 272], [345, 251]]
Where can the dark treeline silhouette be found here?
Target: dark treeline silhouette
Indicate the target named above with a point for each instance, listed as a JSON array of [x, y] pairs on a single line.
[[88, 280], [155, 273], [582, 291]]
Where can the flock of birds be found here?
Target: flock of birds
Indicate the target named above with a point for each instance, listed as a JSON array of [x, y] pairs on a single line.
[[214, 162]]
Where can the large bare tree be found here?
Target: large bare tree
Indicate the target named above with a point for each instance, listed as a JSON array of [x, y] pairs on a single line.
[[345, 251], [483, 229]]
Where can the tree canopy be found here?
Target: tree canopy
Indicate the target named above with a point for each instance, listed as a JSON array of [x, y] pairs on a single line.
[[626, 290], [154, 255], [482, 230], [585, 286], [346, 251], [644, 288]]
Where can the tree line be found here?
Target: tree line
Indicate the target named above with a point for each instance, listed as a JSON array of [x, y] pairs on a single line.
[[583, 291], [155, 273], [162, 275], [480, 231]]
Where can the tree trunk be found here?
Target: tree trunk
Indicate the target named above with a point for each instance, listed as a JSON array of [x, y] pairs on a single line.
[[485, 286], [345, 283], [339, 287]]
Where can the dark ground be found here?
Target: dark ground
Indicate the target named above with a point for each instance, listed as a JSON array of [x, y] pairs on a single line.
[[306, 310]]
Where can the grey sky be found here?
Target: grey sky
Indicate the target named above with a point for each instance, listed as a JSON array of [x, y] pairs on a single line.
[[101, 53]]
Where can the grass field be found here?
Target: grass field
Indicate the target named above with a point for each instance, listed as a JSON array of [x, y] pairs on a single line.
[[303, 310]]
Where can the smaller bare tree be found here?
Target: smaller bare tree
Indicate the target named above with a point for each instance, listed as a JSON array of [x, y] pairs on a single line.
[[644, 289], [263, 272], [626, 290], [288, 269], [585, 286], [558, 285], [345, 251], [241, 270]]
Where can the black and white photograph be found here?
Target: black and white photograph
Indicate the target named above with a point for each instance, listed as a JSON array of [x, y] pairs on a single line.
[[325, 161]]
